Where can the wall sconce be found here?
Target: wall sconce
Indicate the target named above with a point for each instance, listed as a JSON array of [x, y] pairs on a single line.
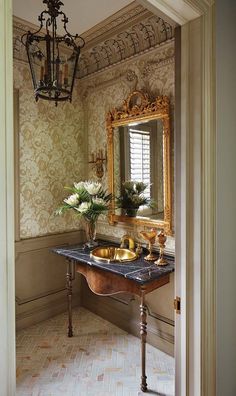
[[98, 159]]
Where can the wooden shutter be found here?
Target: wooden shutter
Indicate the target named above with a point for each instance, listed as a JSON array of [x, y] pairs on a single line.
[[140, 165]]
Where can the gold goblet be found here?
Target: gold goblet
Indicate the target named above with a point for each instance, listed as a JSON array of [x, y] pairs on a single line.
[[150, 237], [161, 240]]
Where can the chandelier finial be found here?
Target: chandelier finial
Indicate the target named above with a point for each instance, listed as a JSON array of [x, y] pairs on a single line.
[[53, 7]]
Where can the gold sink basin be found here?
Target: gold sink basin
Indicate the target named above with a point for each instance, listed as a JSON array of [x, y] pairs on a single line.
[[111, 254]]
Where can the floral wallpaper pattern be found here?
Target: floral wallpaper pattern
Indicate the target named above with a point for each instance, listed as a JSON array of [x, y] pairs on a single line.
[[52, 155], [153, 73]]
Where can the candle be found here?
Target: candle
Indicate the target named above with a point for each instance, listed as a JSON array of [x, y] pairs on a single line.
[[66, 74], [60, 78], [45, 70], [41, 73], [92, 156], [66, 70], [57, 69]]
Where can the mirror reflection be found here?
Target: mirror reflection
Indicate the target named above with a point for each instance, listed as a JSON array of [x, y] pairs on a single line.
[[138, 157], [138, 138]]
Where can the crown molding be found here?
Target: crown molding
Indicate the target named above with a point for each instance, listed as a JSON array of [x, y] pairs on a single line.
[[99, 77], [20, 27], [174, 10], [116, 23], [179, 12], [132, 40]]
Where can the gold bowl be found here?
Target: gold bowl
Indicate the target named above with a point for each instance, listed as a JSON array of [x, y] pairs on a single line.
[[111, 254]]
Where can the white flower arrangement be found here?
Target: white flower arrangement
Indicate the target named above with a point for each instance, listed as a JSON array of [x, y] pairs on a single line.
[[88, 199], [72, 200]]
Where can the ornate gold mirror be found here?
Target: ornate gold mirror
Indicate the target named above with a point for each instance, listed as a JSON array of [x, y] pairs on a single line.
[[139, 150]]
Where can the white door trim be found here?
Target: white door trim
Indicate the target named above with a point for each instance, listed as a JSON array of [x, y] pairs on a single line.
[[179, 11], [195, 238], [7, 262]]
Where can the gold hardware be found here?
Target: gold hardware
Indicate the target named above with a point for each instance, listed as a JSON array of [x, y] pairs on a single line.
[[130, 240], [110, 254], [161, 240], [150, 237], [138, 108], [98, 159], [177, 305]]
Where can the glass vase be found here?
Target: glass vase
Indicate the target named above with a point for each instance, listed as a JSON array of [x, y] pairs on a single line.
[[90, 230]]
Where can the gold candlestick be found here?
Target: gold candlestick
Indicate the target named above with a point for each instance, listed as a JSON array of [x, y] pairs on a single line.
[[150, 237], [161, 240]]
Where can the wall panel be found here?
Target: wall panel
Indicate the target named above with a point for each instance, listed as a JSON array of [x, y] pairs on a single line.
[[41, 278]]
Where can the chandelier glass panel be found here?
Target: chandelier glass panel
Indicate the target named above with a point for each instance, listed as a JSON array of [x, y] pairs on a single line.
[[53, 58]]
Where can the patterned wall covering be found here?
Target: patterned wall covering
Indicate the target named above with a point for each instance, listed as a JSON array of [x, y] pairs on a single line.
[[152, 72], [53, 141], [52, 155]]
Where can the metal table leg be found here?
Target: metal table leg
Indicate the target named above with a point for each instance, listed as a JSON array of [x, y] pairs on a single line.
[[143, 334], [70, 276]]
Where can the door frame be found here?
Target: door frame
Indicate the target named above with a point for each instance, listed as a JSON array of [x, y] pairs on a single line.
[[7, 259], [195, 346], [195, 237]]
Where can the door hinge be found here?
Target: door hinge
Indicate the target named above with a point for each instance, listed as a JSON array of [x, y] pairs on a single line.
[[177, 304]]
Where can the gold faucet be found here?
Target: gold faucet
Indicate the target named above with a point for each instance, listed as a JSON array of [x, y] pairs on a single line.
[[130, 240]]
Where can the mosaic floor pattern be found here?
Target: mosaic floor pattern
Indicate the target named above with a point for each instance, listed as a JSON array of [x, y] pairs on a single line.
[[100, 360]]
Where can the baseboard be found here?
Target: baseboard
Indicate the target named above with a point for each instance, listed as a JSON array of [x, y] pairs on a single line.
[[124, 313]]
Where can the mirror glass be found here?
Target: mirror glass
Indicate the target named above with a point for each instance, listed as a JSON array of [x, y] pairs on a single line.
[[138, 156], [138, 139]]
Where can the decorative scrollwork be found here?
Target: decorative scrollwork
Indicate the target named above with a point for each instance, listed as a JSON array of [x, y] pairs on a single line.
[[137, 105], [132, 40]]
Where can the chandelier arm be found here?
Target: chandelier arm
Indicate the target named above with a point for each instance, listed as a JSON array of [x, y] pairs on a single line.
[[29, 33], [72, 36]]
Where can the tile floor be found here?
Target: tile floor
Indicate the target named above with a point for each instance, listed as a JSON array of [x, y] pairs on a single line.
[[100, 360]]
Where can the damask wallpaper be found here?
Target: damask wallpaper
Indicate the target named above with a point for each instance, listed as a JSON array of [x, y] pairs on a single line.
[[153, 73], [55, 142], [52, 155]]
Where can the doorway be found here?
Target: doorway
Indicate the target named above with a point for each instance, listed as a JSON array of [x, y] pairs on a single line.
[[188, 246]]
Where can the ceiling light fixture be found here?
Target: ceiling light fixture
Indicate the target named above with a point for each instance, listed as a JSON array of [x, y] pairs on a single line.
[[53, 58]]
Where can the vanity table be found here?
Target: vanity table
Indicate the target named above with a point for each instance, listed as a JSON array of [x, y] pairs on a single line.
[[138, 277]]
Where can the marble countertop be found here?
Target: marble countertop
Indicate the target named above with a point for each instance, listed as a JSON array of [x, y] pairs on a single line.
[[140, 270]]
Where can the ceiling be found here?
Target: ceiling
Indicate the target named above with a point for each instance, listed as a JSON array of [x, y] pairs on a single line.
[[82, 14]]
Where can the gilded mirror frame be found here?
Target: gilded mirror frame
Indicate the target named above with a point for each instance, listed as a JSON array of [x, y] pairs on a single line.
[[138, 107]]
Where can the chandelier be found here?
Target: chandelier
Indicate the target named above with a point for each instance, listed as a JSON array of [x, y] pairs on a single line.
[[53, 58]]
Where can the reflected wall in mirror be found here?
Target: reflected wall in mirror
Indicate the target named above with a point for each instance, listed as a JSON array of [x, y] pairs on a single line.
[[139, 151], [140, 158]]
